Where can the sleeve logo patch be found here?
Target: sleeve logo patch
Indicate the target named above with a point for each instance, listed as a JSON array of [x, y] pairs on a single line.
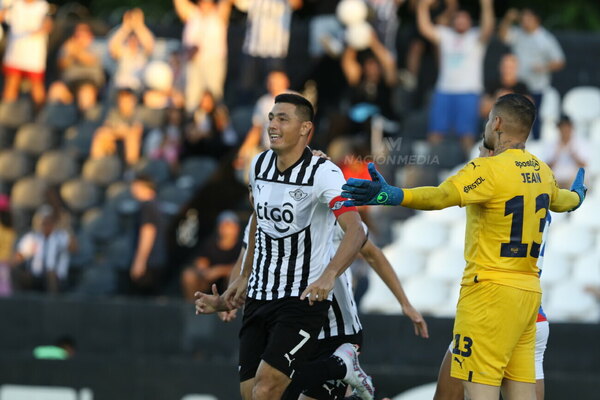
[[474, 185], [298, 194]]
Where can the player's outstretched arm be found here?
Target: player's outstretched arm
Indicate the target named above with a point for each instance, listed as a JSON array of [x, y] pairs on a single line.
[[354, 238], [378, 192], [570, 200], [380, 264]]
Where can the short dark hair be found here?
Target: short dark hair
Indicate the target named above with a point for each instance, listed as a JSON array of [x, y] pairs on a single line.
[[564, 119], [519, 107], [304, 108], [146, 180]]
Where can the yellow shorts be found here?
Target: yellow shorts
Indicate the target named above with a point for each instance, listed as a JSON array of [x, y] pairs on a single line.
[[494, 334]]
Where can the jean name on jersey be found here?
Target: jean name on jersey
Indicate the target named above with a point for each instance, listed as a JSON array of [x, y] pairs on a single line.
[[531, 177]]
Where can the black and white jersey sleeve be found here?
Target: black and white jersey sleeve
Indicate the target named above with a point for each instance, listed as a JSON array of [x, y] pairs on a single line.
[[295, 217], [343, 314]]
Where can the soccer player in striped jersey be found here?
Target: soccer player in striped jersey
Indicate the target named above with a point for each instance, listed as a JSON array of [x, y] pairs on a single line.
[[296, 199], [449, 388]]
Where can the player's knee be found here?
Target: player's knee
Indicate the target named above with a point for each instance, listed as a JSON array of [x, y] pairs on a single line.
[[266, 389]]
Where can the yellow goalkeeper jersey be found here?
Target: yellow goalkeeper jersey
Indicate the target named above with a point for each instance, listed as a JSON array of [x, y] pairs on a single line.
[[507, 198]]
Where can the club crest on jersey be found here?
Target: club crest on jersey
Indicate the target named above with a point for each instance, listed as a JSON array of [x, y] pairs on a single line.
[[298, 194]]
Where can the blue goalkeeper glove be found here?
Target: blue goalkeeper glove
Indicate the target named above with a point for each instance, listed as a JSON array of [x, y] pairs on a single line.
[[375, 192], [578, 187]]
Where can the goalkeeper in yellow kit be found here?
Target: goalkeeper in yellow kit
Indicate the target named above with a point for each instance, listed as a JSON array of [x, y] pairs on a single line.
[[507, 198]]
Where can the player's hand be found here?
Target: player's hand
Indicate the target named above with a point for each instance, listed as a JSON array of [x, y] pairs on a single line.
[[418, 322], [363, 192], [235, 295], [319, 289], [579, 187], [209, 303], [319, 153], [227, 316]]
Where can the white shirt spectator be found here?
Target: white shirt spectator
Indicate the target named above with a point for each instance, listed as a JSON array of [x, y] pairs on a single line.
[[561, 156], [27, 47], [461, 61], [534, 50], [268, 28], [208, 33], [49, 253]]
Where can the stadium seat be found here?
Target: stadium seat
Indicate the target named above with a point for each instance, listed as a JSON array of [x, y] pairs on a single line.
[[582, 104], [79, 194], [548, 132], [119, 252], [100, 224], [568, 302], [58, 116], [595, 131], [447, 264], [457, 234], [588, 214], [587, 269], [115, 189], [14, 164], [378, 298], [56, 167], [448, 308], [447, 215], [171, 198], [34, 139], [102, 171], [158, 170], [569, 239], [550, 108], [29, 193], [196, 171], [13, 115], [407, 262], [557, 266], [423, 233], [199, 397], [426, 294], [78, 139]]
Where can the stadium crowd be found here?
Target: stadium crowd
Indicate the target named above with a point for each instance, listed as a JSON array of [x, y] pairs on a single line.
[[125, 155]]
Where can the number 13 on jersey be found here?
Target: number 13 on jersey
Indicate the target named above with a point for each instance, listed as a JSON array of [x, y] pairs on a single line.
[[516, 208]]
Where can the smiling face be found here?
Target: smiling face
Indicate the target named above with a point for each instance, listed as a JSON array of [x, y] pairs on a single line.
[[286, 128]]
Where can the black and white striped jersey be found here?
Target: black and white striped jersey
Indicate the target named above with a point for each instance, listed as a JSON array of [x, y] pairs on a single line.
[[268, 28], [295, 219], [342, 317]]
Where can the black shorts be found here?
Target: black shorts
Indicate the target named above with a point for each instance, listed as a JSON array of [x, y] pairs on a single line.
[[281, 332], [325, 348]]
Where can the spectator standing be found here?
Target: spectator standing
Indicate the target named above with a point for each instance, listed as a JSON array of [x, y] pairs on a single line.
[[205, 45], [131, 45], [7, 241], [42, 255], [215, 259], [537, 50], [150, 259], [27, 47], [567, 154], [455, 103], [121, 125], [79, 59], [267, 39], [257, 138], [508, 82]]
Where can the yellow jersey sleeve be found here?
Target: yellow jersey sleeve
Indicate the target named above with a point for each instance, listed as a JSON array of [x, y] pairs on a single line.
[[562, 200], [474, 182]]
